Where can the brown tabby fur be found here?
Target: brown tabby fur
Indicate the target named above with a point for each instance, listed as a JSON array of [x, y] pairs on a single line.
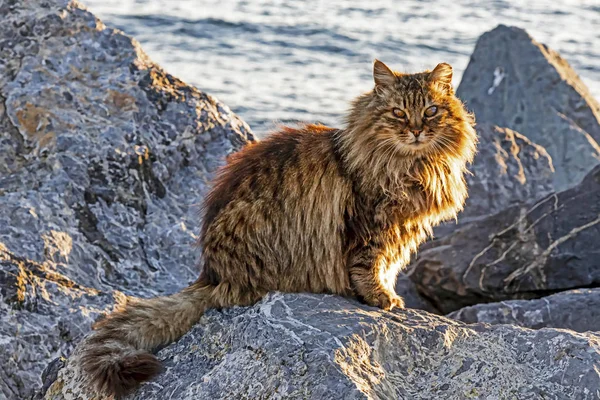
[[309, 209]]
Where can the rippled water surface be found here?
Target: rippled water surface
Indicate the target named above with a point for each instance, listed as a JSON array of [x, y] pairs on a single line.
[[304, 59]]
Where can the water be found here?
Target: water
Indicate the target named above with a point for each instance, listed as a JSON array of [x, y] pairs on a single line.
[[280, 61]]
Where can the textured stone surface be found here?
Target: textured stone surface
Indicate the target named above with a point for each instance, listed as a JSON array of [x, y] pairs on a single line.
[[578, 310], [42, 315], [325, 347], [508, 169], [522, 252], [103, 160], [513, 81]]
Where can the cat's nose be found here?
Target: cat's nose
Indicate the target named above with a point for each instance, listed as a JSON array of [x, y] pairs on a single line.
[[416, 132]]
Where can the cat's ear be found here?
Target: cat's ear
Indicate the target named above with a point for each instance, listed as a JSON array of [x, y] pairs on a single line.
[[383, 75], [442, 74]]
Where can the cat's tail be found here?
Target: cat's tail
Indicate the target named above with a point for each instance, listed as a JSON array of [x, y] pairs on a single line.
[[117, 356]]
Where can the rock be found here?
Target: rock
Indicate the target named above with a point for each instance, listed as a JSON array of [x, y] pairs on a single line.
[[515, 82], [103, 160], [578, 310], [508, 169], [299, 346], [523, 252], [43, 314]]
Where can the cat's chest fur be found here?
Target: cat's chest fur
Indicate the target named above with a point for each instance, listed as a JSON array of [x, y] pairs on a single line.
[[375, 214], [399, 212]]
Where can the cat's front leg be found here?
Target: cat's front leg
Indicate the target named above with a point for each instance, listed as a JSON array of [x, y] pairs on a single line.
[[367, 268]]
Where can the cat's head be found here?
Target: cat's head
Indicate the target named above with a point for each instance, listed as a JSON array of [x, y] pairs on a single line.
[[414, 114]]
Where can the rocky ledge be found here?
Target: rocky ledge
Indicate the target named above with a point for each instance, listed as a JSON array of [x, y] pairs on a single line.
[[104, 158], [301, 346], [577, 310]]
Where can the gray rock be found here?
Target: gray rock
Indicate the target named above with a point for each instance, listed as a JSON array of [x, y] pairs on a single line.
[[42, 315], [523, 252], [508, 169], [578, 310], [300, 346], [103, 160], [513, 81]]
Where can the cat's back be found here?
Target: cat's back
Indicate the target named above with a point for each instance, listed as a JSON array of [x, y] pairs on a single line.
[[286, 166], [284, 198]]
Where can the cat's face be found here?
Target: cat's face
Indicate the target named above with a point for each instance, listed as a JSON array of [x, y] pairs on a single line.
[[417, 113]]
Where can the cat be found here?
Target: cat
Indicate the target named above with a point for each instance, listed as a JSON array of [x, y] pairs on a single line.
[[309, 209]]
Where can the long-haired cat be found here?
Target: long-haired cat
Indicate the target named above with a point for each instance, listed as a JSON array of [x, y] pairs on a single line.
[[309, 209]]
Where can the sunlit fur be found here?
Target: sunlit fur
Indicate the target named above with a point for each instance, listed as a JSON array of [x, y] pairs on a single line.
[[380, 148], [309, 209]]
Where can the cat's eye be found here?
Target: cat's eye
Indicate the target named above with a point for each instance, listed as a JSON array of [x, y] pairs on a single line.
[[398, 113], [431, 111]]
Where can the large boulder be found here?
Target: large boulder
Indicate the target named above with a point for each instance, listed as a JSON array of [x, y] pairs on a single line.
[[520, 253], [515, 82], [508, 169], [578, 310], [103, 160], [300, 346]]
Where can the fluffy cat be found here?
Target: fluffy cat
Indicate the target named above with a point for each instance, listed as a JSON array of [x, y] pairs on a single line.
[[310, 209]]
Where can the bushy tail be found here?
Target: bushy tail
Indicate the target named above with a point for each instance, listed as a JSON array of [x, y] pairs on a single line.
[[117, 356]]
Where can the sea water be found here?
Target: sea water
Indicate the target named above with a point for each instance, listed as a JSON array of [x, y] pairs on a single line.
[[275, 61]]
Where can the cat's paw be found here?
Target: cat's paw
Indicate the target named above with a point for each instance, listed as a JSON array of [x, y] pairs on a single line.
[[385, 300]]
